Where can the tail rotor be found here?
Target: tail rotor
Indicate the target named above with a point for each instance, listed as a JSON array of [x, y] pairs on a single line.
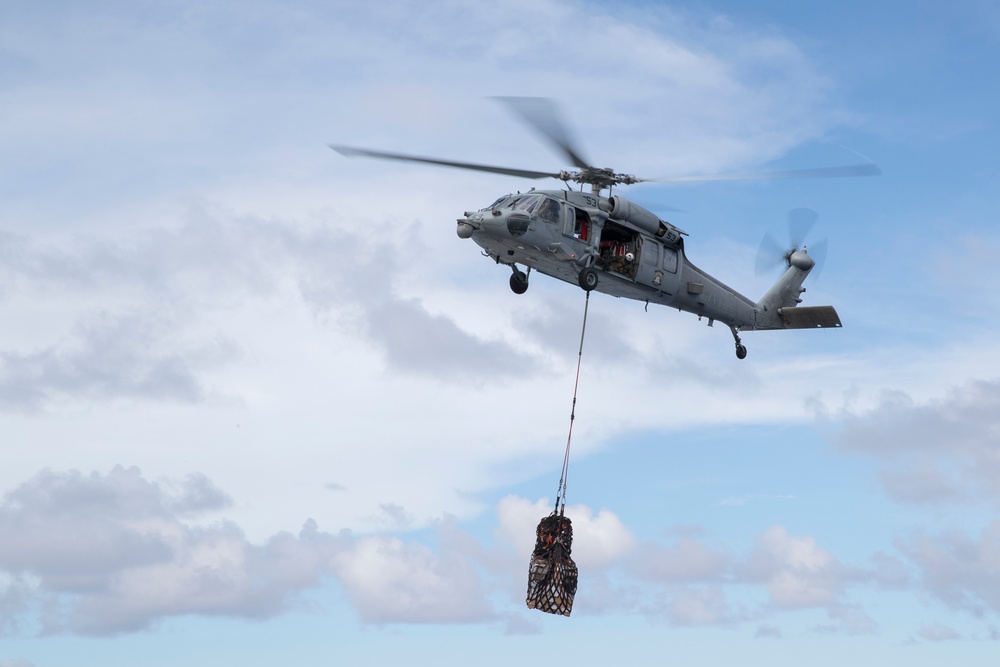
[[772, 254]]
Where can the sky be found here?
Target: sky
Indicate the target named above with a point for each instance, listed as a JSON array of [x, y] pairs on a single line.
[[260, 405]]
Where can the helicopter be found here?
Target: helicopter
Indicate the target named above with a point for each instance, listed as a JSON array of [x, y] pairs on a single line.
[[606, 243]]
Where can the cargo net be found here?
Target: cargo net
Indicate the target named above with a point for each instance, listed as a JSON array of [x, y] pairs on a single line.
[[552, 574]]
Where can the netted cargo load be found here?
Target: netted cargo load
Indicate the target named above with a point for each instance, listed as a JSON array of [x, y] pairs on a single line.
[[552, 575]]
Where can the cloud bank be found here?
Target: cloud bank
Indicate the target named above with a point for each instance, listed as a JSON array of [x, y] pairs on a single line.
[[107, 554]]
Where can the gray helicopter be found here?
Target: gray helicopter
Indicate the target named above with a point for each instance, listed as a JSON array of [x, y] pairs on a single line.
[[612, 245]]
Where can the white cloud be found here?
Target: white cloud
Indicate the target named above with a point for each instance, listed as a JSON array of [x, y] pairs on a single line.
[[105, 554], [110, 554], [391, 581], [942, 449], [114, 549], [961, 570], [797, 571]]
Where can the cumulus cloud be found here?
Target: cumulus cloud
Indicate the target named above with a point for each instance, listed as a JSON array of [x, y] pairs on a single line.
[[391, 581], [114, 550], [110, 553], [689, 582], [104, 554], [797, 571], [940, 450], [959, 569]]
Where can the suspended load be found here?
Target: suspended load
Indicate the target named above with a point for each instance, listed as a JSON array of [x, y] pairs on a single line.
[[552, 574]]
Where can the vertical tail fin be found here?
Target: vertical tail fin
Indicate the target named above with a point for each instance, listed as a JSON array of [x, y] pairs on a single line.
[[779, 308]]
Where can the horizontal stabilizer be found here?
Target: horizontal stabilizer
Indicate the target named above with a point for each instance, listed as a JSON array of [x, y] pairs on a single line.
[[810, 317]]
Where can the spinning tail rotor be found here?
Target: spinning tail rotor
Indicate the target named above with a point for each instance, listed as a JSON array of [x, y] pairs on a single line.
[[772, 254]]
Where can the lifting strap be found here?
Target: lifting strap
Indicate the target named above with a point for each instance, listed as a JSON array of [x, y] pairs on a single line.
[[564, 477]]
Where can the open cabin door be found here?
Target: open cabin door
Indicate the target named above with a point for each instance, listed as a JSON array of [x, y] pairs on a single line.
[[619, 250]]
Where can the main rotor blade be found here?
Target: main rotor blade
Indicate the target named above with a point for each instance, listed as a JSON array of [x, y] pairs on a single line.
[[364, 152], [540, 114], [867, 169]]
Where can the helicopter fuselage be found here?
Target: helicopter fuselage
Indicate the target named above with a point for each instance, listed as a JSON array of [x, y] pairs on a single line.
[[635, 255]]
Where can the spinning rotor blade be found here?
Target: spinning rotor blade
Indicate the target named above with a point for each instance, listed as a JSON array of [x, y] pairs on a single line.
[[800, 221], [540, 114], [818, 253], [868, 169], [364, 152], [771, 254]]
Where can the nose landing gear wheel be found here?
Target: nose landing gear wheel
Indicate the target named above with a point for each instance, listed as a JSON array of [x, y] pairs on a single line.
[[518, 282], [588, 279]]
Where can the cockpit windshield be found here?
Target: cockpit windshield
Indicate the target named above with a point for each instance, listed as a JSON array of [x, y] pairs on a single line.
[[540, 205], [497, 204], [526, 203]]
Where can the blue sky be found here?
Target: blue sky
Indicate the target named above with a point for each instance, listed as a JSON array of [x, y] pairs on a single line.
[[259, 404]]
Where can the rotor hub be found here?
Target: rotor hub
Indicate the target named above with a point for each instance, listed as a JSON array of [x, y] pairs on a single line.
[[598, 178], [800, 260]]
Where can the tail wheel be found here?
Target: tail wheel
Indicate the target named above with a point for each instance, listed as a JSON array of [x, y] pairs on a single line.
[[588, 278]]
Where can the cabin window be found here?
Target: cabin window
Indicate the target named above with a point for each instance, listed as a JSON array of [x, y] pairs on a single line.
[[669, 260], [650, 254]]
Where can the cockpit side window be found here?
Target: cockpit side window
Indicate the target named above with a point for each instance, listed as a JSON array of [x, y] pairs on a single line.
[[549, 210]]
